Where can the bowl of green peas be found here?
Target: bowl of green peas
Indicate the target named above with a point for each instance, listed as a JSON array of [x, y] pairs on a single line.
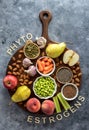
[[44, 87]]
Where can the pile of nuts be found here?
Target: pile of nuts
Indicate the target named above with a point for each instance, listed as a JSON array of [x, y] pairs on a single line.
[[76, 75], [17, 69]]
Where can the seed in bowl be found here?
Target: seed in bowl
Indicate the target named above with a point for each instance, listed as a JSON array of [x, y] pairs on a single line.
[[44, 87], [64, 75], [69, 91], [31, 50]]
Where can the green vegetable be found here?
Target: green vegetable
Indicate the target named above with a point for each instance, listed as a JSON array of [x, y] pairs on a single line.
[[57, 105], [44, 87], [64, 103]]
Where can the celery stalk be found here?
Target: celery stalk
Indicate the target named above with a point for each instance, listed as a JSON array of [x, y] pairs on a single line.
[[64, 103], [57, 105]]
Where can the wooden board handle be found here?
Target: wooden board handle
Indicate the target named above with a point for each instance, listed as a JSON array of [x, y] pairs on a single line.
[[45, 18]]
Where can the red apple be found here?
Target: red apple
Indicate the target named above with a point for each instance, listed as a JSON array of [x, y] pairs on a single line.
[[10, 81], [33, 105], [48, 107]]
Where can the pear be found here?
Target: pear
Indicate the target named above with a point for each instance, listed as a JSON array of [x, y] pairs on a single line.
[[55, 50], [22, 93]]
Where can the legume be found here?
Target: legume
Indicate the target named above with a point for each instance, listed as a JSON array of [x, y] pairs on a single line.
[[44, 86]]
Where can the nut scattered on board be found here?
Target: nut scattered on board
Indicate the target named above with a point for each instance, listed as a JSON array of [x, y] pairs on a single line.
[[74, 76], [79, 74], [21, 51], [14, 73], [15, 69], [77, 68], [30, 82], [18, 61], [19, 56], [18, 73], [13, 58], [21, 80], [17, 66], [57, 64], [72, 80], [10, 67], [43, 53], [77, 84], [9, 72], [77, 80], [60, 61], [14, 64], [74, 71]]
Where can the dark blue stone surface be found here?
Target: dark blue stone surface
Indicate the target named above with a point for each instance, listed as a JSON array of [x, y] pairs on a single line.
[[70, 23]]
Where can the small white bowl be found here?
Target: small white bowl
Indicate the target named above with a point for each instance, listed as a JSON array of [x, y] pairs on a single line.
[[55, 88], [68, 75], [49, 72], [70, 84]]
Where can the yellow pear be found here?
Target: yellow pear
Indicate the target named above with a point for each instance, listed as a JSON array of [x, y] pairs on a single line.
[[22, 93], [54, 50]]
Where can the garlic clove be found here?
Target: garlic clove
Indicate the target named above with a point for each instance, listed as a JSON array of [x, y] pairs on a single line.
[[27, 62], [41, 41]]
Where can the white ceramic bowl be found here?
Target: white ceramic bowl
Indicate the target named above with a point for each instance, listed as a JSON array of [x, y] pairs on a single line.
[[68, 75], [42, 97], [70, 84], [49, 72]]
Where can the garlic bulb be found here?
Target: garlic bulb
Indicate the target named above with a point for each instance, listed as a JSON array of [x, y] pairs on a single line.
[[27, 62], [41, 41], [31, 70]]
